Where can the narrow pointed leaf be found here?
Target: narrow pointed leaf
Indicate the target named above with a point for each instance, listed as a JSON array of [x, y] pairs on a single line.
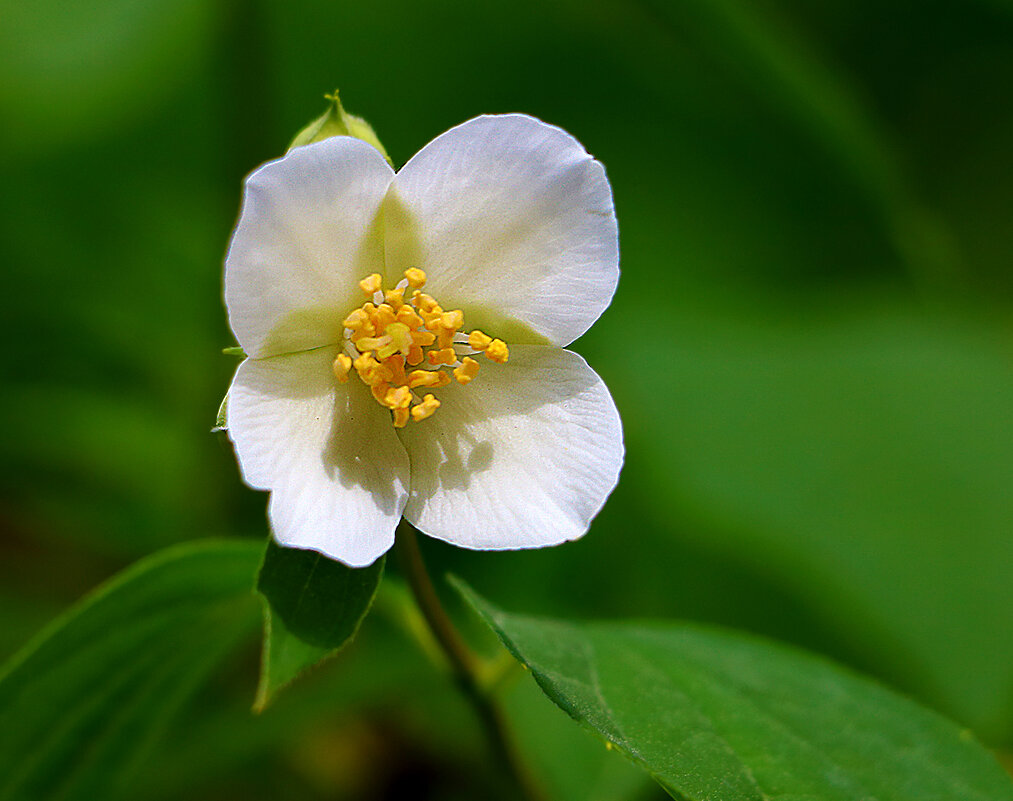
[[717, 715], [84, 701], [313, 606]]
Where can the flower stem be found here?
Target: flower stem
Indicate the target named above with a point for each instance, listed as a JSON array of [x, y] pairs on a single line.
[[465, 666]]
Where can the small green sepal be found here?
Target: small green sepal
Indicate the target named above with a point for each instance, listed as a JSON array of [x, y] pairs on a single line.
[[338, 122], [222, 420]]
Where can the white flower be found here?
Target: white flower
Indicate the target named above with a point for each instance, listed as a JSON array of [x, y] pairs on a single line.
[[510, 225]]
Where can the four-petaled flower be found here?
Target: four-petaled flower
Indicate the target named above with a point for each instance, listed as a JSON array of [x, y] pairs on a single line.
[[457, 406]]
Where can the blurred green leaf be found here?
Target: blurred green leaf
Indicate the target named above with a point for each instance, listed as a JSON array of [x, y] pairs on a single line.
[[712, 714], [571, 764], [84, 701], [313, 607], [861, 458], [75, 69], [786, 69]]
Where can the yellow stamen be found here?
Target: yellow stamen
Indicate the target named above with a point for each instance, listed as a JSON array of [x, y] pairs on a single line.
[[356, 320], [433, 318], [384, 316], [380, 393], [370, 370], [395, 298], [478, 340], [423, 338], [416, 278], [408, 317], [424, 302], [425, 378], [398, 398], [498, 351], [400, 337], [447, 327], [453, 319], [371, 284], [467, 371], [442, 356], [393, 336], [342, 364], [421, 411], [395, 366], [365, 344]]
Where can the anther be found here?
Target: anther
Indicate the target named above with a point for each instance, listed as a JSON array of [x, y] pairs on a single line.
[[398, 398], [443, 356], [408, 317], [424, 338], [400, 337], [342, 364], [498, 351], [453, 319], [416, 278], [424, 302], [366, 344], [427, 378], [380, 392], [371, 284], [478, 340], [425, 409], [384, 316], [467, 371], [395, 366]]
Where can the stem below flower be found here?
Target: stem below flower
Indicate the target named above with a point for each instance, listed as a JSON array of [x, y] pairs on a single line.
[[465, 666]]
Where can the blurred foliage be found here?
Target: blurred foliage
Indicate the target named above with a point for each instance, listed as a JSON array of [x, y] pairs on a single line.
[[814, 210]]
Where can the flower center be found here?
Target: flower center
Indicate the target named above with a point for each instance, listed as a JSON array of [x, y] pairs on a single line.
[[389, 333]]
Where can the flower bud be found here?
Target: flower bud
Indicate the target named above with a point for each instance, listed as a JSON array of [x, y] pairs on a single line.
[[338, 122]]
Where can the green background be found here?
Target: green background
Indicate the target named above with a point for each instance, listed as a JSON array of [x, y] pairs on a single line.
[[810, 345]]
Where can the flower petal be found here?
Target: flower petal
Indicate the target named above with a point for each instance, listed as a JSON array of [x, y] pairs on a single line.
[[337, 473], [307, 233], [512, 220], [522, 457]]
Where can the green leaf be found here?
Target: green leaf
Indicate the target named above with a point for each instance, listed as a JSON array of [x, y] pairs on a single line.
[[313, 606], [84, 701], [717, 715]]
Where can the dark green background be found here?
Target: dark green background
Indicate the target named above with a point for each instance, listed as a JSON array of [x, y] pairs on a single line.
[[810, 345]]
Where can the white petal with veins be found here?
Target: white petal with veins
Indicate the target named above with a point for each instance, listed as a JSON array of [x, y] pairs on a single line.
[[307, 233], [511, 219], [337, 473], [522, 457]]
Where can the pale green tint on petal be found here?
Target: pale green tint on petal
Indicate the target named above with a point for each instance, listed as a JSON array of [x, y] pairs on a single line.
[[404, 249], [512, 217], [402, 237], [338, 122], [307, 233], [522, 457], [328, 453]]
